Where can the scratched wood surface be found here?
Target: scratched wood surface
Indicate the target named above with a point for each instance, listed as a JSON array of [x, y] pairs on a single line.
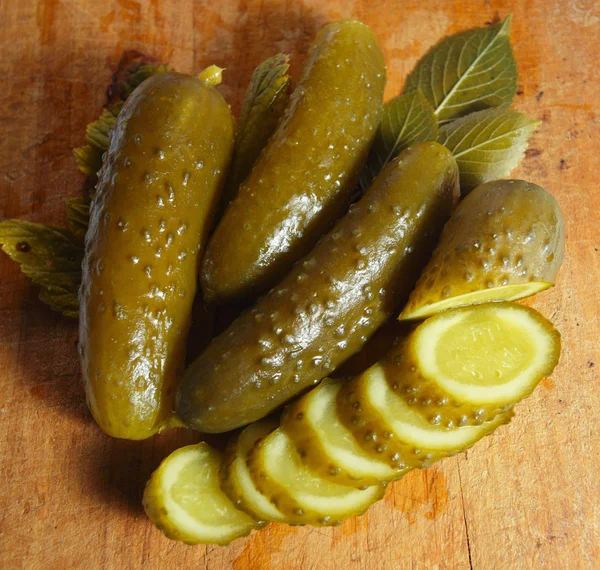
[[70, 496]]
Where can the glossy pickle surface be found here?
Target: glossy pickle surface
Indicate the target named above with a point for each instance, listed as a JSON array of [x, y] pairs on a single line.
[[305, 176], [149, 220], [331, 302]]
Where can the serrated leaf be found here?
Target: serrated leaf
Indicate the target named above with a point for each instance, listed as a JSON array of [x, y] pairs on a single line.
[[78, 216], [407, 119], [487, 145], [51, 257], [264, 104], [89, 157], [467, 72]]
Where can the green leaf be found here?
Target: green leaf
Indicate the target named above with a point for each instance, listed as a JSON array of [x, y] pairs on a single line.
[[467, 72], [264, 104], [89, 157], [51, 257], [407, 119], [487, 145], [78, 216]]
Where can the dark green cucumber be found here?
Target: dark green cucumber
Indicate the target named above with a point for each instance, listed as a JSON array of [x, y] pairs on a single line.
[[331, 303], [305, 176], [149, 221]]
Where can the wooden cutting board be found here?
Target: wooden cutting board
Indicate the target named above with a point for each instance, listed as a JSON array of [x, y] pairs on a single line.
[[70, 496]]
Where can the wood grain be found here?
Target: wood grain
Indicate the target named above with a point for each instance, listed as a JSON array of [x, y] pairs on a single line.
[[70, 496]]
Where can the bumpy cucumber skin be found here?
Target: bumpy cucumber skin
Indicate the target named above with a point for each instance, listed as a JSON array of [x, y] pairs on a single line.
[[305, 176], [228, 482], [330, 303], [432, 401], [295, 423], [376, 437], [505, 232], [157, 190]]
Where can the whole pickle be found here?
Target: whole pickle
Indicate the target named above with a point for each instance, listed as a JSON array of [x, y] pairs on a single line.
[[304, 177], [157, 189], [330, 303]]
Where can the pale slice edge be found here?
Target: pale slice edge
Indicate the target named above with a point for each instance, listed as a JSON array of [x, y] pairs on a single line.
[[236, 479], [512, 292], [487, 355], [183, 498], [338, 442], [299, 493]]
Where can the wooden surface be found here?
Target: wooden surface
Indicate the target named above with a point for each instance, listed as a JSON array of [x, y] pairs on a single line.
[[70, 496]]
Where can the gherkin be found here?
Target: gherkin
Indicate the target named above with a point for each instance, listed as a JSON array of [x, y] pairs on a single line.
[[307, 173], [331, 302], [157, 190]]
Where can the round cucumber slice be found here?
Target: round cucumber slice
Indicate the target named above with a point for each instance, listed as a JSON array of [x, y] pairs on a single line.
[[390, 430], [301, 495], [184, 500], [465, 366], [235, 475], [327, 446], [504, 241]]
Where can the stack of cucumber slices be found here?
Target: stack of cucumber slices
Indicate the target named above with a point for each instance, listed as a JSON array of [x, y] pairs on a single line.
[[449, 382]]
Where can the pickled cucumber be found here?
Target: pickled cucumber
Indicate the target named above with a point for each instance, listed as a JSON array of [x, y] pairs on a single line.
[[184, 500], [149, 220], [302, 496], [306, 174], [330, 303], [467, 365], [236, 481], [326, 446], [505, 241], [390, 430]]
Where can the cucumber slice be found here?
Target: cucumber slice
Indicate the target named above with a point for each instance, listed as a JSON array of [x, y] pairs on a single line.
[[184, 500], [327, 446], [389, 429], [235, 476], [504, 241], [301, 495], [467, 365]]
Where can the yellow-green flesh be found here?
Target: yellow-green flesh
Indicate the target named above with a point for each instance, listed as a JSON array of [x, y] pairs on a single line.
[[494, 355], [502, 293], [328, 444], [414, 429], [299, 493], [184, 499], [238, 483]]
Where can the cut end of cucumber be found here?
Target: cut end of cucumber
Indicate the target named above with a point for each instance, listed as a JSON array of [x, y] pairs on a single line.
[[416, 311], [492, 354], [184, 499]]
